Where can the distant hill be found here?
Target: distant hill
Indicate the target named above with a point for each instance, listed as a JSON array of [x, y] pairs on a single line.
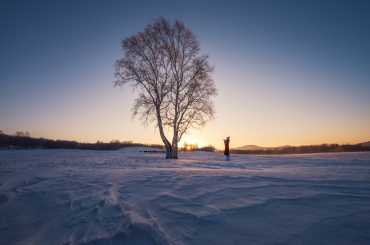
[[259, 148], [365, 144], [248, 148], [322, 148]]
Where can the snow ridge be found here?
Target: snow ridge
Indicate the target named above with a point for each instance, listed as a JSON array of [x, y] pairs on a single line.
[[131, 197]]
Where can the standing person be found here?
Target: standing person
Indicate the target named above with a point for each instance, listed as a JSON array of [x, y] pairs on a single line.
[[227, 149]]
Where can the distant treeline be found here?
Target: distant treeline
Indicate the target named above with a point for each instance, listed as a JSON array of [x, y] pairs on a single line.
[[22, 140], [209, 148], [306, 149]]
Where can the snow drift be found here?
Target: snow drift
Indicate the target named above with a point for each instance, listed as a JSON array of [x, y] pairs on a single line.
[[131, 197]]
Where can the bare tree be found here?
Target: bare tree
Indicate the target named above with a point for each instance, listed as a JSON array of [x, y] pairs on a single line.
[[175, 82], [19, 134]]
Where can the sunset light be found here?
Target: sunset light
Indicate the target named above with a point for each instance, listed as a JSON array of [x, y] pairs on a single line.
[[283, 77], [193, 122]]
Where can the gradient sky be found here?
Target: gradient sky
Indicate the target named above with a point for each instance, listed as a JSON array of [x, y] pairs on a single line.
[[287, 72]]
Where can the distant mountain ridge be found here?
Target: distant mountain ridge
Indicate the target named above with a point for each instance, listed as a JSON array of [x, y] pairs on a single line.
[[259, 148]]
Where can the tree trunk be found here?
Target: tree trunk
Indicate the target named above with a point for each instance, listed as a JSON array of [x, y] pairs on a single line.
[[174, 151], [171, 151], [168, 150]]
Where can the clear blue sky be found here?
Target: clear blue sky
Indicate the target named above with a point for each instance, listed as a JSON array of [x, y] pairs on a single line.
[[288, 72]]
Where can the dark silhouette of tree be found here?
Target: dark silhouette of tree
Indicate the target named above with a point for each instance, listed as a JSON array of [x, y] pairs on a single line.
[[185, 148], [19, 134], [189, 147], [25, 142], [175, 82], [99, 145], [209, 148], [115, 144]]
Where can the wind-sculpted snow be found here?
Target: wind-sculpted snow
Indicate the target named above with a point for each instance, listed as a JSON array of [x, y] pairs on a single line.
[[131, 197]]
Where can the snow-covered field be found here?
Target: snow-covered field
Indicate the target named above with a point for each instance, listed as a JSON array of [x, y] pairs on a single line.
[[129, 197]]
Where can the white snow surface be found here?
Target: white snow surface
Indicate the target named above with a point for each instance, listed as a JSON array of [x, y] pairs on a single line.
[[131, 197]]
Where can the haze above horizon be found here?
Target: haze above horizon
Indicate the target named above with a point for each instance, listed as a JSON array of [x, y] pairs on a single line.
[[287, 72]]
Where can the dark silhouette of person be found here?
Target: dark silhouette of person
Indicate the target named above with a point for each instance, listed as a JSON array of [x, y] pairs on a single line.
[[227, 149]]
